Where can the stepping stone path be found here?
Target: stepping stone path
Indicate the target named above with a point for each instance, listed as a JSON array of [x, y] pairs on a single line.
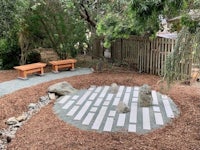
[[95, 109]]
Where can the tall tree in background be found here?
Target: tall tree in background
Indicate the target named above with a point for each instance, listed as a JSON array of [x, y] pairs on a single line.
[[187, 48], [142, 17], [7, 16], [9, 49], [61, 27], [137, 17], [93, 12]]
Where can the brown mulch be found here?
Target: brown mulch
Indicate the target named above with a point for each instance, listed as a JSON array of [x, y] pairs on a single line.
[[45, 131], [6, 75]]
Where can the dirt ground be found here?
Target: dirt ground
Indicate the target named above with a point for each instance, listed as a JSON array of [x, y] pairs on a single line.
[[45, 131]]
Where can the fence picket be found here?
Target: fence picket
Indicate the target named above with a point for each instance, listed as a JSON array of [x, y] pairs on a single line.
[[147, 55]]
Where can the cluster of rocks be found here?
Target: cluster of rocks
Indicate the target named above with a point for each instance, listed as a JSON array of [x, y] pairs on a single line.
[[145, 98], [14, 123], [121, 107]]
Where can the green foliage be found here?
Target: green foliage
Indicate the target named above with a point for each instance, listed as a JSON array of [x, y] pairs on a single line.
[[56, 25], [10, 25], [33, 57], [181, 55], [187, 49], [118, 19], [140, 17], [9, 50], [191, 24], [3, 45], [196, 47], [9, 54], [195, 4], [111, 28], [7, 15]]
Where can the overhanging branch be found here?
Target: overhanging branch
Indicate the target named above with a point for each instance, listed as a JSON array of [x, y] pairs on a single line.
[[85, 15]]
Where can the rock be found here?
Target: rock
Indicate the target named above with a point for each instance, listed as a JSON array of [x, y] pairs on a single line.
[[12, 133], [122, 107], [92, 69], [6, 135], [8, 138], [32, 106], [44, 98], [62, 88], [52, 96], [22, 117], [99, 66], [114, 88], [18, 125], [11, 121], [92, 86], [145, 97], [1, 142]]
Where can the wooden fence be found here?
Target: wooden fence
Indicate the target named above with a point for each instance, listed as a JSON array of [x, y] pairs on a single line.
[[142, 53]]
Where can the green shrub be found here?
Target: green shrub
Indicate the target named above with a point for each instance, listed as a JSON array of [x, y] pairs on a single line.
[[9, 54], [10, 59], [33, 57]]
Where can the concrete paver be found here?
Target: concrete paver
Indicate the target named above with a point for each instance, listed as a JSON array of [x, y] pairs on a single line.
[[95, 109]]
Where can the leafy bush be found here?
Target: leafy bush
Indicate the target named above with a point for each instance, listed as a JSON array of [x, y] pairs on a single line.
[[9, 54], [33, 57], [10, 59]]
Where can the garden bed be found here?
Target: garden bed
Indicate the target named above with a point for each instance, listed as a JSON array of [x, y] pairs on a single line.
[[45, 131]]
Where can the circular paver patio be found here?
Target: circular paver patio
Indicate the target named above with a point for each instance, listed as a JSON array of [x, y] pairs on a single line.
[[95, 109]]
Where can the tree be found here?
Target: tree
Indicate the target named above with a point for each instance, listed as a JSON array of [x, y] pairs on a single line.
[[94, 12], [7, 16], [9, 49], [143, 18], [187, 49], [61, 28], [137, 17]]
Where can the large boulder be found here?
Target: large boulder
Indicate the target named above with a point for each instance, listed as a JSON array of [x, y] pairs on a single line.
[[62, 88], [145, 97]]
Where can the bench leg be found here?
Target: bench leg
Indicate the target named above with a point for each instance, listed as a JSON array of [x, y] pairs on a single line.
[[72, 66], [55, 68], [22, 74], [42, 71]]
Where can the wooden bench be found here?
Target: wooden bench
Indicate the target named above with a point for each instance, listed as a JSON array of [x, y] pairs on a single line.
[[23, 70], [59, 64]]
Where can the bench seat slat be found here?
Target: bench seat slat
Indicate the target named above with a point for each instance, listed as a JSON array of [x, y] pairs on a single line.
[[30, 66]]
